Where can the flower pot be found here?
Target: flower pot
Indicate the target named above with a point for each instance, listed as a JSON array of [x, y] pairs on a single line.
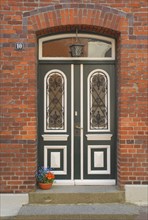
[[45, 186]]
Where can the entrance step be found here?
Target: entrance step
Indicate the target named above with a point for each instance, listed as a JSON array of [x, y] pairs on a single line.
[[73, 212], [77, 195]]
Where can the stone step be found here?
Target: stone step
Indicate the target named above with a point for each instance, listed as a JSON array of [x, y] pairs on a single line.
[[108, 211], [77, 194]]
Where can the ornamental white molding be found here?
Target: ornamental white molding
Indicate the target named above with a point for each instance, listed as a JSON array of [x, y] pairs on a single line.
[[99, 137], [56, 137]]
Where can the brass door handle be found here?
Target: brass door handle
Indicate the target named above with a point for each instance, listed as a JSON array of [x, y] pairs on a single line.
[[78, 127]]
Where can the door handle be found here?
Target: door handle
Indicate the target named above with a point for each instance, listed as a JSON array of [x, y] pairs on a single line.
[[78, 127]]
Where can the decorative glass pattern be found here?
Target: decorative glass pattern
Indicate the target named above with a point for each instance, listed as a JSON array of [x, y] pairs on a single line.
[[98, 107], [55, 99]]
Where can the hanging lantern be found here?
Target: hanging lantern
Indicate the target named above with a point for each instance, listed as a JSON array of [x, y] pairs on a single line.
[[76, 49]]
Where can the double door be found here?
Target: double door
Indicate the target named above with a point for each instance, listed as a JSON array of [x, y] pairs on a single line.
[[76, 122]]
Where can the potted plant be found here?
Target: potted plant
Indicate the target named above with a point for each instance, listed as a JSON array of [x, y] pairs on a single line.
[[45, 177]]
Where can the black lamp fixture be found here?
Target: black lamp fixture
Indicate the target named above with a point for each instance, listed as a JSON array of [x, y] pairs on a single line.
[[76, 49]]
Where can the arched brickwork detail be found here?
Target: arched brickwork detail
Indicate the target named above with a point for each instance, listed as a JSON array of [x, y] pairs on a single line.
[[52, 19]]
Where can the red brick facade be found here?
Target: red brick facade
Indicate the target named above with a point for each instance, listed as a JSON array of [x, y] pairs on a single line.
[[25, 20]]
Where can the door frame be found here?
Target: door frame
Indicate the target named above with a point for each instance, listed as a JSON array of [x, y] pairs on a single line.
[[81, 61]]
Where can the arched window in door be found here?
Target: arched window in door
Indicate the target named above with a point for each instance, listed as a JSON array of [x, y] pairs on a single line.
[[98, 99], [55, 101]]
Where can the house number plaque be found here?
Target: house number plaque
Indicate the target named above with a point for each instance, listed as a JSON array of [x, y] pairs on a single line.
[[19, 46]]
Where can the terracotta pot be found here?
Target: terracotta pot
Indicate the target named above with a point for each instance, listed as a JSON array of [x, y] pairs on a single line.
[[45, 185]]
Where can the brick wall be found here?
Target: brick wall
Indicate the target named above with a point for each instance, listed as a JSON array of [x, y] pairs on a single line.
[[24, 21]]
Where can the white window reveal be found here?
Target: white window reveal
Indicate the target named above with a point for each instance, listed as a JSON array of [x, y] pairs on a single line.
[[98, 99], [55, 87]]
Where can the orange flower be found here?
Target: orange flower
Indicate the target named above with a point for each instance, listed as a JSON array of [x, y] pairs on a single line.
[[50, 176]]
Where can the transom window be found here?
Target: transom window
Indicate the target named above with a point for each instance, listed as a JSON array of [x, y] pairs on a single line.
[[95, 47]]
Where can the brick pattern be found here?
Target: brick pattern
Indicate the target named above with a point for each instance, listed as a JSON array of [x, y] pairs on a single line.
[[25, 21]]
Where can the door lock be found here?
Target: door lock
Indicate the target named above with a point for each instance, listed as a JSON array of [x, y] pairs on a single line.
[[78, 127]]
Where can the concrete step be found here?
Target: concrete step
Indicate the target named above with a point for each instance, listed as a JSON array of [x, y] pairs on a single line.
[[108, 211], [77, 194]]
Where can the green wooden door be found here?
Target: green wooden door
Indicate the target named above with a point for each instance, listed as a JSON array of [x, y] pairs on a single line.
[[77, 124]]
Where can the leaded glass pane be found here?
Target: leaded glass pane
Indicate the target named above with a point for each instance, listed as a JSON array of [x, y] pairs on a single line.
[[55, 95], [98, 108]]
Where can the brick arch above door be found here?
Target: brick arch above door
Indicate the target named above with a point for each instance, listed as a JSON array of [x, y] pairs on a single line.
[[63, 17]]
